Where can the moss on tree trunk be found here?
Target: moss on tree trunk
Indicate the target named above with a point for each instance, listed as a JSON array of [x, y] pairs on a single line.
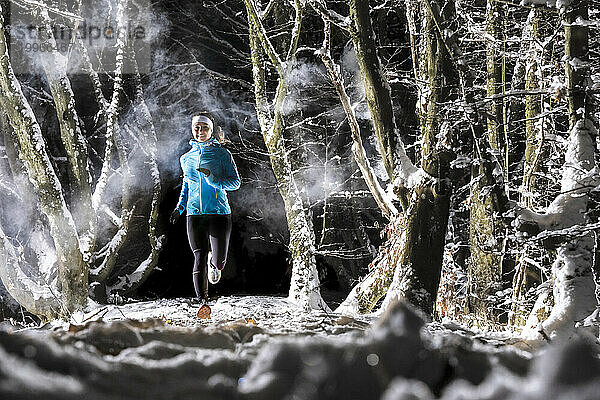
[[487, 232]]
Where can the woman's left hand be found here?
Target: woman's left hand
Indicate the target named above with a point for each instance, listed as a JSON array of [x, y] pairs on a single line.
[[204, 171]]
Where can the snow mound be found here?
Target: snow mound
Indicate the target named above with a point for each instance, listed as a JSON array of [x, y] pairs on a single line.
[[569, 370], [280, 352], [353, 366], [123, 359]]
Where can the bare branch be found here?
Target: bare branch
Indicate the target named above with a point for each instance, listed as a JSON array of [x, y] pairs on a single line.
[[360, 155], [262, 35], [28, 4]]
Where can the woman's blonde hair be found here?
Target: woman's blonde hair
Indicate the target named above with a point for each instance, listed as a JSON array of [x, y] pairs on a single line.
[[217, 131]]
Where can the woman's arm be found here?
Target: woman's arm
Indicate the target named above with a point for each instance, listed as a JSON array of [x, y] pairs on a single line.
[[183, 197], [230, 179]]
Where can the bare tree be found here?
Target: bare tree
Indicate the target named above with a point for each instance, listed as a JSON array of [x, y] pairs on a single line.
[[529, 69], [304, 287], [563, 223], [73, 224], [72, 271], [487, 232], [409, 264]]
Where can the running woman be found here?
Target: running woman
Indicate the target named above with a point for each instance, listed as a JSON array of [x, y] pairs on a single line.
[[208, 173]]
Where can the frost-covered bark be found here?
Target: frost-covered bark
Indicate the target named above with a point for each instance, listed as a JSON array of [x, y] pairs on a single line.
[[113, 143], [495, 79], [304, 286], [376, 86], [487, 234], [88, 68], [358, 150], [574, 286], [16, 190], [419, 285], [108, 254], [131, 281], [20, 186], [55, 67], [534, 125], [409, 265], [383, 200], [72, 272], [103, 113], [372, 287], [109, 110], [534, 156], [418, 278], [28, 289]]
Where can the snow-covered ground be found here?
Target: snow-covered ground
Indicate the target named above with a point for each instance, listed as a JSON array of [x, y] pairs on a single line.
[[264, 348], [272, 314]]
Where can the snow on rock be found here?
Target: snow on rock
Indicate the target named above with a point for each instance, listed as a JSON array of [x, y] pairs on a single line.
[[565, 371], [265, 348], [132, 374], [354, 366]]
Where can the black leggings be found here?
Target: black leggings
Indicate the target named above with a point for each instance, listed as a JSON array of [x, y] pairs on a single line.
[[200, 230]]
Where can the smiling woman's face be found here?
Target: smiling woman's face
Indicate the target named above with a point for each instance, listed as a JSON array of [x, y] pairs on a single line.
[[202, 131]]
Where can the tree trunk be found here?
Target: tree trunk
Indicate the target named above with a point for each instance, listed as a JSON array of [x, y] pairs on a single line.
[[526, 276], [487, 234], [427, 217], [55, 66], [128, 283], [72, 272], [372, 287], [409, 263], [376, 86], [114, 142], [358, 150], [486, 245], [30, 292], [304, 285], [574, 286], [495, 80]]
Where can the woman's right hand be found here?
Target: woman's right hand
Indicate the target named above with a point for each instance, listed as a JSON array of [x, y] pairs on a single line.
[[174, 216], [205, 171]]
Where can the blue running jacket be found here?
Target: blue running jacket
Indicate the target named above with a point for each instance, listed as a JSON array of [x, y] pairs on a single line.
[[206, 195]]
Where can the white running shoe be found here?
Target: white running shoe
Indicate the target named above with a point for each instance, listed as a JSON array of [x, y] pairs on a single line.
[[214, 274]]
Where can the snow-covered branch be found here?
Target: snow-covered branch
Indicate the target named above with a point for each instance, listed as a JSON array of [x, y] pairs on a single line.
[[264, 38], [358, 149]]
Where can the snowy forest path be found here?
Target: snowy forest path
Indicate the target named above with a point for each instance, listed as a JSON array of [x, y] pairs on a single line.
[[274, 315]]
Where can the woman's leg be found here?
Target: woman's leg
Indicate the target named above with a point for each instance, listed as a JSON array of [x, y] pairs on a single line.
[[197, 232], [219, 231]]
